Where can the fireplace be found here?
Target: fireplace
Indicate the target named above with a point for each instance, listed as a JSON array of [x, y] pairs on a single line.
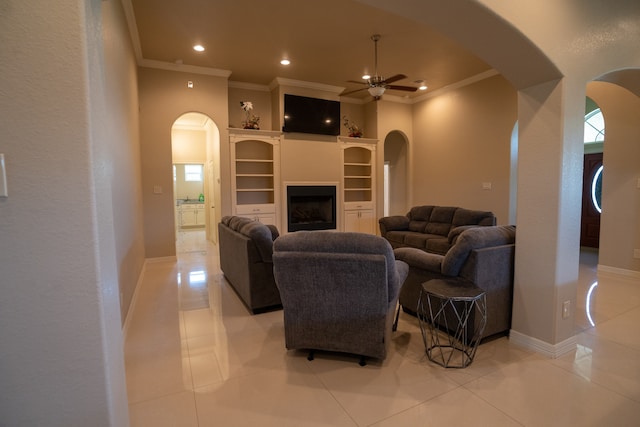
[[311, 207]]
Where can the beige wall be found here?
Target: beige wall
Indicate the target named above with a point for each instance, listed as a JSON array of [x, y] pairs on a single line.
[[620, 221], [70, 237], [461, 140], [164, 97], [126, 200], [393, 118], [261, 100]]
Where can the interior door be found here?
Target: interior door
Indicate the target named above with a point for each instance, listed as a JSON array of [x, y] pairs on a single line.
[[590, 221]]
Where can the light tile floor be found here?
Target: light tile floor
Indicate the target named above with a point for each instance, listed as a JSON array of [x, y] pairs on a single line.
[[195, 357]]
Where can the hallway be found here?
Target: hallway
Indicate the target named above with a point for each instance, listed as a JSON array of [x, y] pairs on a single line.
[[195, 357]]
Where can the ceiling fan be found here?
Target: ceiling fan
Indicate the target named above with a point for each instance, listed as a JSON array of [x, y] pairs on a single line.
[[378, 84]]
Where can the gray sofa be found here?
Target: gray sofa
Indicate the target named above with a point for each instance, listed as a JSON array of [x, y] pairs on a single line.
[[339, 291], [482, 256], [246, 248], [431, 228]]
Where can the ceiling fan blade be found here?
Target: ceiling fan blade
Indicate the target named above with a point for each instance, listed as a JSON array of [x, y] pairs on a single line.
[[395, 78], [352, 91], [407, 88], [360, 83]]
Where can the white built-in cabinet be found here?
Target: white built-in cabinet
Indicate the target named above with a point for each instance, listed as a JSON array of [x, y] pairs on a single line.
[[358, 160], [255, 172], [191, 215]]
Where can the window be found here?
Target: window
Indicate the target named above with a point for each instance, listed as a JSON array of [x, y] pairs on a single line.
[[594, 127], [193, 172]]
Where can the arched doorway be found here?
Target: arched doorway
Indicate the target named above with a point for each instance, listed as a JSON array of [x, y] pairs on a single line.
[[195, 145], [592, 176], [617, 95], [395, 185]]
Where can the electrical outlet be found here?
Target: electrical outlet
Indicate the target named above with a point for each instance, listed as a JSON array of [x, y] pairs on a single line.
[[636, 253], [566, 309]]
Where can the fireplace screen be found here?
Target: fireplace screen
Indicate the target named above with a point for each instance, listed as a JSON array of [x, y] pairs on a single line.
[[311, 207]]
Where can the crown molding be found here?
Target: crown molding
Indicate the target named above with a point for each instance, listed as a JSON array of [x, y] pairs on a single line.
[[182, 68], [280, 81], [457, 85], [249, 86], [130, 17]]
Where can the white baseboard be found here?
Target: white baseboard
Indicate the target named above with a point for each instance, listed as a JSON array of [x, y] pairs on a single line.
[[618, 271], [552, 351], [134, 299]]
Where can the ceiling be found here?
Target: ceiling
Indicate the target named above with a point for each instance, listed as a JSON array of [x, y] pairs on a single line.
[[327, 42]]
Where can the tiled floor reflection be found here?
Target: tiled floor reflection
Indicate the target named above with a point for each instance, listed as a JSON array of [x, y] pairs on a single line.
[[195, 357]]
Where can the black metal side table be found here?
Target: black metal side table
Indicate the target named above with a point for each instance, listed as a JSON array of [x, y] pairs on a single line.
[[452, 314]]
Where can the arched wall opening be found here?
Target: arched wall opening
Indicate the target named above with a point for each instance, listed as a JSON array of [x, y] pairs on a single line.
[[195, 147], [617, 94], [395, 176], [550, 149]]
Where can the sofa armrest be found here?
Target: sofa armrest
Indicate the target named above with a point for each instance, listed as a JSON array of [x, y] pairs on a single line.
[[455, 232], [393, 223], [417, 258]]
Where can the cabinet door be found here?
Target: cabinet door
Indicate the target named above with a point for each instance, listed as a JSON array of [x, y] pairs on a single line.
[[361, 221], [351, 220], [188, 217], [367, 222], [200, 215]]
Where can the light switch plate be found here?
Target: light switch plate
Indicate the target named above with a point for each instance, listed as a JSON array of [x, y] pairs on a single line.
[[3, 178]]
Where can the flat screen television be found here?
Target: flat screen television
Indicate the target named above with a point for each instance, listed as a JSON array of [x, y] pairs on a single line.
[[311, 115]]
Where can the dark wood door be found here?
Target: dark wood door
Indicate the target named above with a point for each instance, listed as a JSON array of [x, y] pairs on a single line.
[[590, 222]]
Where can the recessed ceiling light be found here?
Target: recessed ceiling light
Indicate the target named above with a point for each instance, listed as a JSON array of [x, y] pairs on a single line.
[[285, 62], [366, 77], [198, 48], [423, 87]]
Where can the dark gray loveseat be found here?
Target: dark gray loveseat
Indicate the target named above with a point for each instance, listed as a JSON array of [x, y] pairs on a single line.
[[482, 256], [246, 249], [431, 228]]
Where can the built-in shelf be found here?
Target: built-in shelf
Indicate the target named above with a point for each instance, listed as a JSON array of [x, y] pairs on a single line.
[[255, 171], [358, 184]]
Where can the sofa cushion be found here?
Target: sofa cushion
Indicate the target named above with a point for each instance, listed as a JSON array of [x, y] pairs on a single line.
[[471, 217], [475, 238], [416, 240], [440, 220], [417, 226], [396, 237], [438, 246], [416, 258], [420, 213]]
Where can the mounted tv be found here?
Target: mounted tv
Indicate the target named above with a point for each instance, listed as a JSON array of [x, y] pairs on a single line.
[[311, 115]]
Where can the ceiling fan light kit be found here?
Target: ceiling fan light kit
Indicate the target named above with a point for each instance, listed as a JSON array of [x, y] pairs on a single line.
[[376, 91], [378, 84]]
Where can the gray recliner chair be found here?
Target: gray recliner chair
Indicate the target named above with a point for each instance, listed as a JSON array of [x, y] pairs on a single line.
[[338, 291]]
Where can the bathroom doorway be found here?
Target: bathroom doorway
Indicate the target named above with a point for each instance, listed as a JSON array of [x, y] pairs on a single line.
[[195, 144]]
